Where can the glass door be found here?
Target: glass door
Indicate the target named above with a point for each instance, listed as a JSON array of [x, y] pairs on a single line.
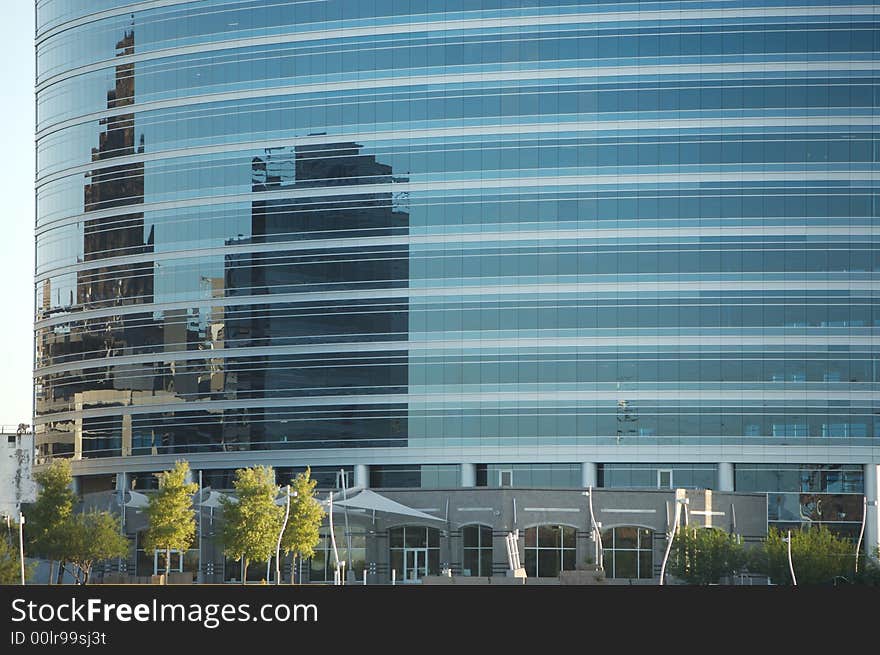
[[159, 561], [415, 564]]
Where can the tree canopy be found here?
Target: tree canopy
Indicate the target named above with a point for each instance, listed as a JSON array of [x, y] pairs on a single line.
[[47, 517], [818, 555], [306, 515], [93, 537], [10, 558], [703, 556], [252, 521], [171, 514]]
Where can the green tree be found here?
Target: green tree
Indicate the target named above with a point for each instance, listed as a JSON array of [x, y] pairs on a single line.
[[170, 513], [10, 560], [93, 537], [252, 521], [703, 556], [818, 556], [306, 515], [47, 518]]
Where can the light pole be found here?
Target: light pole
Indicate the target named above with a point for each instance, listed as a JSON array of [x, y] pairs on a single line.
[[21, 543], [597, 533], [336, 579], [280, 535], [790, 564], [865, 505], [680, 501]]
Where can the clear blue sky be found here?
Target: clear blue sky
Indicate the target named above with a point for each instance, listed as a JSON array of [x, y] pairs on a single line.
[[17, 180]]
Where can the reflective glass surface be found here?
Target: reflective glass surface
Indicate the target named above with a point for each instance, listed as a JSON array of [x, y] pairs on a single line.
[[628, 552], [400, 224], [822, 494]]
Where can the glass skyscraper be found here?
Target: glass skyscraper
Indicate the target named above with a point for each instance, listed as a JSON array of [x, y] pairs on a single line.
[[488, 243]]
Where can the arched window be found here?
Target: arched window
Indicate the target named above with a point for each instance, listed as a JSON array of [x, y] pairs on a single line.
[[415, 552], [549, 550], [476, 550], [629, 552]]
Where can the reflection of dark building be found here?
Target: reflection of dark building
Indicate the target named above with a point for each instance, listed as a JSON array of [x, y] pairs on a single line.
[[116, 186], [102, 286], [117, 234], [331, 268]]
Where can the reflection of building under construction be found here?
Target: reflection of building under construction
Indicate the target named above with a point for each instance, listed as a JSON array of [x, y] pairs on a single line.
[[342, 301], [109, 234], [116, 186]]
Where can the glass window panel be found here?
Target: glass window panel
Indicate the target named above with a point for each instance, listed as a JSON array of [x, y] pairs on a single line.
[[646, 564], [548, 563], [626, 537], [415, 537]]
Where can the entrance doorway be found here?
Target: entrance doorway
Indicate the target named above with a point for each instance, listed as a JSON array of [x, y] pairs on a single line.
[[415, 564], [159, 562]]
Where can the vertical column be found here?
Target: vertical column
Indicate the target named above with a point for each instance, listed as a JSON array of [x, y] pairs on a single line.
[[468, 475], [725, 476], [588, 475], [362, 476], [122, 482], [872, 520], [126, 435]]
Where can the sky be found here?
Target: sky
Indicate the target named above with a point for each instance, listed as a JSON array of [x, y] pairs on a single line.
[[17, 236]]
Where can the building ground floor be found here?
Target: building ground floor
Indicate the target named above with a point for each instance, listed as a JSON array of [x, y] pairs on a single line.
[[460, 514], [407, 536]]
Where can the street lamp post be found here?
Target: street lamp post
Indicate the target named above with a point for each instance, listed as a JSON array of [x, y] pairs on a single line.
[[865, 505], [597, 533], [21, 544], [790, 564], [680, 501], [280, 535]]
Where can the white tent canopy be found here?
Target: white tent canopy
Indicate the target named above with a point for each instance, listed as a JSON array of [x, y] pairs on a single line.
[[370, 500], [364, 499], [213, 499], [135, 499]]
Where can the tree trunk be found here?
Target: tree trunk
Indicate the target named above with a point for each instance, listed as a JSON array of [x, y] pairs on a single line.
[[61, 565], [51, 570], [293, 570], [244, 565], [167, 565]]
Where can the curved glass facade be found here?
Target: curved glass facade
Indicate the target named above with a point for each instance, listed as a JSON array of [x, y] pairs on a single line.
[[534, 232]]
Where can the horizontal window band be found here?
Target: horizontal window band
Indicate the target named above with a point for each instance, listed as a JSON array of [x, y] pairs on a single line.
[[69, 99], [421, 348], [852, 231], [490, 454], [53, 152], [136, 5], [515, 184], [431, 23], [468, 78], [637, 127], [866, 397], [475, 291]]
